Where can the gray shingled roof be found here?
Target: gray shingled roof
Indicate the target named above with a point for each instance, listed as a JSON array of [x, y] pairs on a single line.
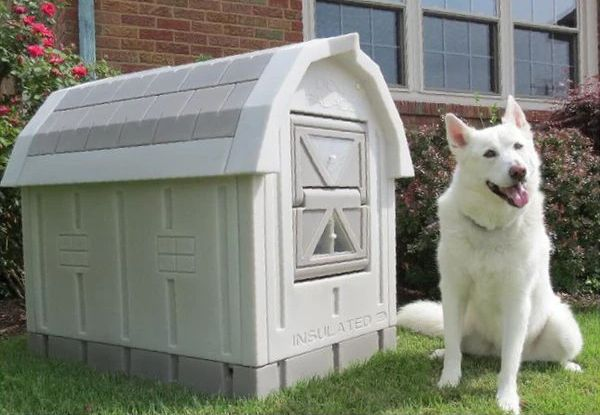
[[191, 102]]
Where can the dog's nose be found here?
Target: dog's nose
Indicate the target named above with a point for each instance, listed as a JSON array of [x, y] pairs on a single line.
[[517, 172]]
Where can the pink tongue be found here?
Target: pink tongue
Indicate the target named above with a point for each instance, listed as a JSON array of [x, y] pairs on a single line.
[[517, 194]]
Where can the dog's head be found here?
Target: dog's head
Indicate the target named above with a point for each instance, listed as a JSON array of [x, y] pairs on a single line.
[[500, 161]]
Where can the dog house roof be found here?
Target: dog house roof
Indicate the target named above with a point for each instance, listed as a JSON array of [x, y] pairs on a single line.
[[219, 117]]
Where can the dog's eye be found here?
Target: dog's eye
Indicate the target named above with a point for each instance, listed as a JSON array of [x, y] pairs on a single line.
[[490, 153], [518, 146]]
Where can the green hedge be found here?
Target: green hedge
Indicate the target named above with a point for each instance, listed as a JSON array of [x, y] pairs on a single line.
[[571, 183]]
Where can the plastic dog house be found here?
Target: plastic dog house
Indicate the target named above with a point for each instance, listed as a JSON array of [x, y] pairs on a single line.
[[228, 225]]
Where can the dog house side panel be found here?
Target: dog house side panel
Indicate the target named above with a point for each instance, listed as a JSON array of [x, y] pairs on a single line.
[[149, 265]]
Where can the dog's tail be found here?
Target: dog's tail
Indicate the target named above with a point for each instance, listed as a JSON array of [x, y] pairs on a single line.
[[424, 317]]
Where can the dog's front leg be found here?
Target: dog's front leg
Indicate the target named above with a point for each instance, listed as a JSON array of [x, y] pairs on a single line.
[[515, 316], [454, 304]]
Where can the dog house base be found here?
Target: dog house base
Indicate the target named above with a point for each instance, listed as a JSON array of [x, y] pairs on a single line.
[[211, 377]]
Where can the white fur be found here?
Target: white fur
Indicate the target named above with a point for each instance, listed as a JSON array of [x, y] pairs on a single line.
[[494, 263], [424, 317]]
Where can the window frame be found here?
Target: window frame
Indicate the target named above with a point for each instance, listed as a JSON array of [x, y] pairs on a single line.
[[586, 53]]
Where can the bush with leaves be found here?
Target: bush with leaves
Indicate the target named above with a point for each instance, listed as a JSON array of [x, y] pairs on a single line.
[[32, 65], [581, 110], [571, 177]]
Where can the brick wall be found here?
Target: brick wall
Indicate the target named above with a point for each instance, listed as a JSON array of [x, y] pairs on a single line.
[[137, 35]]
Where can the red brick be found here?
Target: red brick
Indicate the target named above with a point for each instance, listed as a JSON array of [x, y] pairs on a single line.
[[254, 21], [175, 24], [137, 44], [221, 17], [269, 34], [280, 24], [190, 14], [237, 8], [190, 38], [153, 10], [156, 58], [119, 6], [229, 52], [176, 3], [297, 26], [254, 43], [107, 18], [183, 59], [293, 37], [202, 27], [214, 52], [206, 4], [156, 34], [293, 14], [117, 31], [296, 4], [229, 41], [277, 43], [128, 67], [168, 47], [267, 11], [105, 42], [118, 55], [137, 20], [242, 31], [280, 4]]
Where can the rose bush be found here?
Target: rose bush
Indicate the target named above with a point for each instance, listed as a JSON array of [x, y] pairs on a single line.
[[32, 65]]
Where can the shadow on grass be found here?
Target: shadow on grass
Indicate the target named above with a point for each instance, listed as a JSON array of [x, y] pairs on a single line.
[[401, 381]]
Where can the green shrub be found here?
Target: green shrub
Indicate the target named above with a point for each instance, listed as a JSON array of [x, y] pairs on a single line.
[[32, 65], [571, 178]]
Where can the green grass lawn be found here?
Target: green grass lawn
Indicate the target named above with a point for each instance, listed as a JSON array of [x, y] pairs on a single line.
[[398, 382]]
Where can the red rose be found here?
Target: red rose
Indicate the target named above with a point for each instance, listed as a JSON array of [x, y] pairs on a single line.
[[49, 9], [55, 59], [35, 50], [28, 20], [18, 9], [48, 42], [79, 71], [41, 29], [4, 110]]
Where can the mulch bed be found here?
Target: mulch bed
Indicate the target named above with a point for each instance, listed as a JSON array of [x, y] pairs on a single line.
[[12, 317]]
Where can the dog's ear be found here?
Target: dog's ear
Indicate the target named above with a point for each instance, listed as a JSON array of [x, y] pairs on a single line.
[[457, 132], [515, 115]]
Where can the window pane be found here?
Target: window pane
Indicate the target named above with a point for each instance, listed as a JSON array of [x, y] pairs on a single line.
[[545, 62], [451, 47], [543, 11], [378, 29], [457, 72], [566, 12], [553, 12], [434, 70], [433, 33], [456, 36], [357, 19], [385, 31], [481, 70], [387, 58], [484, 7], [328, 19]]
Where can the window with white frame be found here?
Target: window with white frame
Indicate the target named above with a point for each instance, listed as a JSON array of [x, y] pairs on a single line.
[[379, 25], [545, 38], [529, 48], [459, 45]]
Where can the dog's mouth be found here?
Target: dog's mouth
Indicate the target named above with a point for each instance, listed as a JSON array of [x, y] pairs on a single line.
[[515, 195]]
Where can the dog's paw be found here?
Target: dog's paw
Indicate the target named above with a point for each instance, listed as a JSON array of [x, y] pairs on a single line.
[[437, 354], [572, 367], [509, 402], [449, 380]]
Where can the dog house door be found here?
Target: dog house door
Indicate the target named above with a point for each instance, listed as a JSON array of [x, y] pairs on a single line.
[[331, 213]]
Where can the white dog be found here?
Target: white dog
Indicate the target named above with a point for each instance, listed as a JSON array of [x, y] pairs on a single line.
[[493, 258]]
